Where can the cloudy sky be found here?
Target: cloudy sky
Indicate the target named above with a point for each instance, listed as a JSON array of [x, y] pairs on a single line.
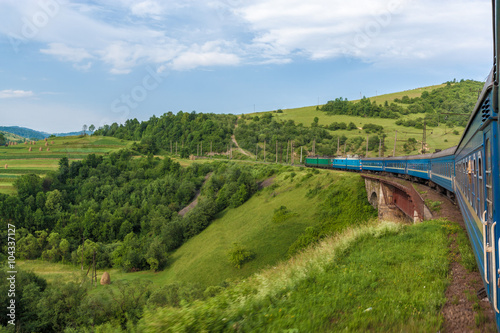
[[65, 63]]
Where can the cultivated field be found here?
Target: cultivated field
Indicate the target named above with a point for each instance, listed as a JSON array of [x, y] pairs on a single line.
[[19, 160]]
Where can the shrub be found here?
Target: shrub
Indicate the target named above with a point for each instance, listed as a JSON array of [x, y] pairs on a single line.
[[238, 255]]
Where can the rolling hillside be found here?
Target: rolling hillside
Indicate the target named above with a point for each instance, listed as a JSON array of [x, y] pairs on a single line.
[[438, 137], [18, 160]]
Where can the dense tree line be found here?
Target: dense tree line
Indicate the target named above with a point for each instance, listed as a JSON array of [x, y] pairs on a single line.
[[188, 130], [253, 131], [124, 208], [442, 105]]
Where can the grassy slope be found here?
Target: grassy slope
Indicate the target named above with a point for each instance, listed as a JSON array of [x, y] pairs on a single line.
[[203, 259], [386, 278], [21, 161], [435, 136]]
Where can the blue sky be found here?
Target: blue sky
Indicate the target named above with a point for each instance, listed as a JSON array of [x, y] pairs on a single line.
[[68, 63]]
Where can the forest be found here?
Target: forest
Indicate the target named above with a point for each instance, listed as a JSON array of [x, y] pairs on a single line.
[[450, 104], [125, 209]]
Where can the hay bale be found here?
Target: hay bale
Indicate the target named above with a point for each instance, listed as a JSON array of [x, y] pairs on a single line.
[[45, 139], [25, 142], [48, 149], [105, 279], [29, 149], [6, 166], [46, 144], [51, 142], [40, 149]]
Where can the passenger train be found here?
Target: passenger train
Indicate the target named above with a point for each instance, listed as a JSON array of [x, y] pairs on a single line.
[[468, 173]]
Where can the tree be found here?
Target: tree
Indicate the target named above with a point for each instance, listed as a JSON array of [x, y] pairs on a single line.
[[27, 185], [84, 128], [92, 128]]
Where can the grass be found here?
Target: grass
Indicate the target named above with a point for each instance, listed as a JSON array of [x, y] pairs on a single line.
[[435, 137], [383, 278], [20, 160], [434, 206], [203, 259]]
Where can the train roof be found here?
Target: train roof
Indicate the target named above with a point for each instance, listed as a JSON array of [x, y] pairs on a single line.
[[486, 88], [445, 152]]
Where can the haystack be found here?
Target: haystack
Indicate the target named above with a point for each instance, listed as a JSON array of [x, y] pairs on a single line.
[[29, 149], [105, 279], [46, 144], [48, 149], [45, 139], [51, 142], [6, 166], [40, 149]]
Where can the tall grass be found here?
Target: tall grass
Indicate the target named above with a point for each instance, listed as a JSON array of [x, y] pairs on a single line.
[[372, 278]]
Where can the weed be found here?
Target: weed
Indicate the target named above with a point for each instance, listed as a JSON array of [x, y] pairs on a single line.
[[434, 206]]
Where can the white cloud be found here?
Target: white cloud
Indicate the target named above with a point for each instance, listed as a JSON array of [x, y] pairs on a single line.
[[371, 30], [9, 93], [209, 54], [187, 34], [66, 53]]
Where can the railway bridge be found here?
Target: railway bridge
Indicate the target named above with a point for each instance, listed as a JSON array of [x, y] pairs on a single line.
[[395, 201]]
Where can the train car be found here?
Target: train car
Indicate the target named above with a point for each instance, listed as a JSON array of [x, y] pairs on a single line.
[[419, 166], [443, 168], [344, 163], [477, 185], [396, 164], [318, 162], [353, 164], [372, 164], [339, 163]]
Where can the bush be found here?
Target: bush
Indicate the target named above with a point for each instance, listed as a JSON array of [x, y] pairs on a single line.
[[238, 255]]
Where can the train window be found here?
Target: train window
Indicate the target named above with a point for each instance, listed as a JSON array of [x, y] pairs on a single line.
[[489, 180], [480, 185], [474, 185]]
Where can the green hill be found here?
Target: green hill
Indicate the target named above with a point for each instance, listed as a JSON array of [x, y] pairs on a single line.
[[404, 112]]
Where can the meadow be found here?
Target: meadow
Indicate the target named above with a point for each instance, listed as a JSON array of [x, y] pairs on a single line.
[[440, 137]]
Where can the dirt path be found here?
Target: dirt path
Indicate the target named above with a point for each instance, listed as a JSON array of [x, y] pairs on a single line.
[[193, 203], [461, 313], [241, 150]]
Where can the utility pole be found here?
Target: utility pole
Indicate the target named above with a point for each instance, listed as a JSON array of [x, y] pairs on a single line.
[[395, 140], [345, 146], [201, 148], [379, 146], [256, 150], [301, 154], [424, 138], [291, 151], [366, 155], [264, 151], [314, 147], [287, 144], [210, 148], [276, 151], [338, 145], [231, 150]]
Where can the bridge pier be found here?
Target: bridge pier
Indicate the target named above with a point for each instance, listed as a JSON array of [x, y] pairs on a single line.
[[394, 201]]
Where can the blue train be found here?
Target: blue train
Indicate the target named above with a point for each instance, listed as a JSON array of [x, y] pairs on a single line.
[[468, 173]]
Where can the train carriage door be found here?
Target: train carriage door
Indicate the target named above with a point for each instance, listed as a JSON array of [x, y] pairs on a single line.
[[487, 218]]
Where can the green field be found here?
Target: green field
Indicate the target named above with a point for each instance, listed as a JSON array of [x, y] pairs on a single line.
[[19, 160], [436, 137]]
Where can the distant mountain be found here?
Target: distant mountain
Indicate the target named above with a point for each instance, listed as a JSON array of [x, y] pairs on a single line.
[[33, 134]]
